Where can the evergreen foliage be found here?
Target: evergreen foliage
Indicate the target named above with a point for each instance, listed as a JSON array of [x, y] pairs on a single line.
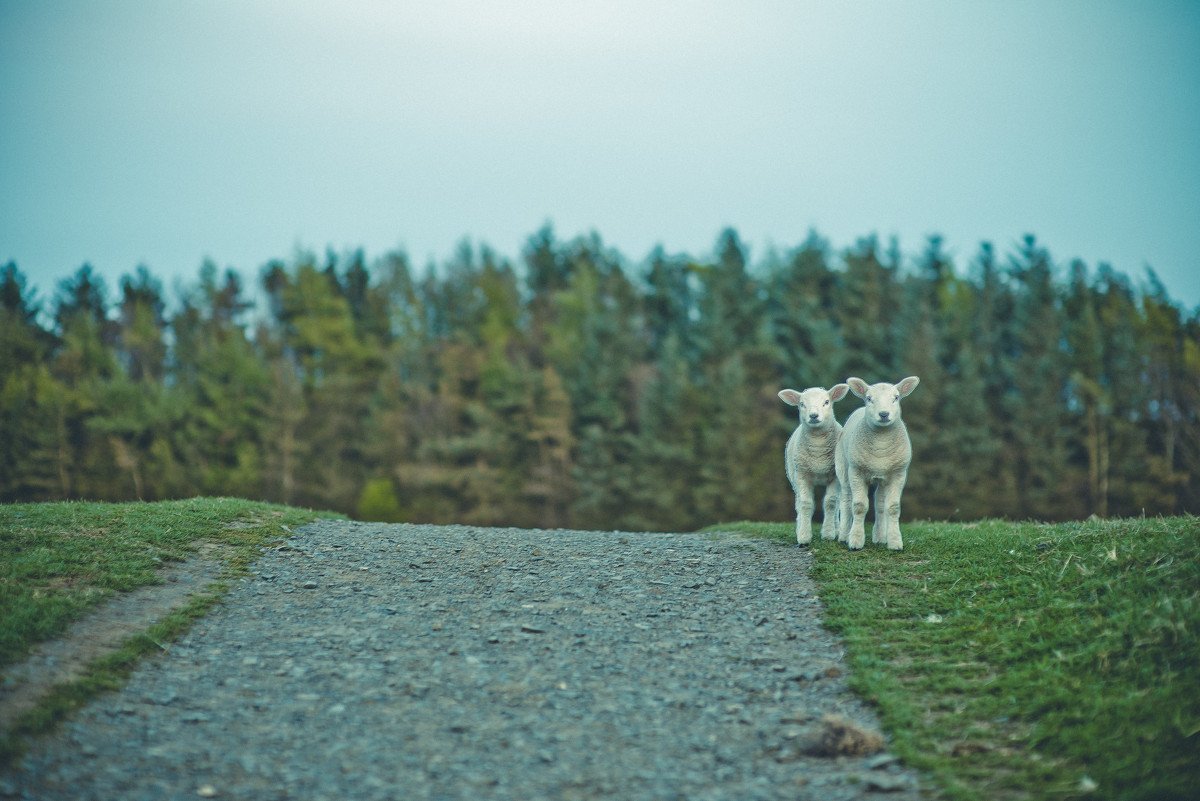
[[577, 389]]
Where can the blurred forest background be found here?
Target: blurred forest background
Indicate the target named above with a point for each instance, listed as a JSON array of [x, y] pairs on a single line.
[[577, 389]]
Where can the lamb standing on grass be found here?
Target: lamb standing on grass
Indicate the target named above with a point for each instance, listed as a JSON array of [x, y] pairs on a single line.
[[874, 447], [809, 457]]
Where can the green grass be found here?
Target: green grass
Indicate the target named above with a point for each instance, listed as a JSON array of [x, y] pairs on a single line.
[[1020, 660], [58, 560]]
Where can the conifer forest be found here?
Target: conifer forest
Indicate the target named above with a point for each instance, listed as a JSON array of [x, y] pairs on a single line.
[[576, 388]]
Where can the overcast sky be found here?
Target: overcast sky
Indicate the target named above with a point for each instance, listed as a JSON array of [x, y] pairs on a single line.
[[164, 132]]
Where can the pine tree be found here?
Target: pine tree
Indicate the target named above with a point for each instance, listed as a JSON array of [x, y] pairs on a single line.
[[136, 411], [801, 305], [27, 425], [865, 314], [1038, 428], [222, 385]]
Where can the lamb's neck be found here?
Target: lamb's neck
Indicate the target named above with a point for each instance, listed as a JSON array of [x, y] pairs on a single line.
[[821, 435], [888, 439]]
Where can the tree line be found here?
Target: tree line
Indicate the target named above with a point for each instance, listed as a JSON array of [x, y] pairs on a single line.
[[574, 388]]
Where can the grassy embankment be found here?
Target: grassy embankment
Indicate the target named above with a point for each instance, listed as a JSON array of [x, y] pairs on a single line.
[[1020, 660], [58, 560]]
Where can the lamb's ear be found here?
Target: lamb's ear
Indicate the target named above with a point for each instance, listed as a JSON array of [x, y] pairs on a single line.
[[790, 396], [858, 386], [838, 391], [907, 385]]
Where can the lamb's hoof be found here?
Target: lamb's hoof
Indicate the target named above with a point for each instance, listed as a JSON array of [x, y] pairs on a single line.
[[802, 545], [899, 547]]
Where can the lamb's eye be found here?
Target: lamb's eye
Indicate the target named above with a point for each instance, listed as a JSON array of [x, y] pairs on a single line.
[[897, 396], [826, 403]]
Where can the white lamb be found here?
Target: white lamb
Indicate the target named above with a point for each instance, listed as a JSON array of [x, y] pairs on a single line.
[[808, 457], [874, 447]]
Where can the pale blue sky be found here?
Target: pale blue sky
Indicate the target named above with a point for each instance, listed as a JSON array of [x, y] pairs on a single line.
[[163, 132]]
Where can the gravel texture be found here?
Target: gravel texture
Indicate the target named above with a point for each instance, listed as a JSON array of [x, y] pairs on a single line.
[[371, 661]]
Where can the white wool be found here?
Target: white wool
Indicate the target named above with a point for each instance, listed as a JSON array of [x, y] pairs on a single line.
[[874, 449], [808, 456]]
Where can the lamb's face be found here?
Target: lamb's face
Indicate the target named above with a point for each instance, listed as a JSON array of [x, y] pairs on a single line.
[[816, 408], [882, 404], [882, 407], [815, 405]]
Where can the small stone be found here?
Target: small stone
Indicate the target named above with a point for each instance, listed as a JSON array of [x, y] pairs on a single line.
[[787, 755], [206, 791], [528, 629], [308, 585], [886, 783], [164, 698]]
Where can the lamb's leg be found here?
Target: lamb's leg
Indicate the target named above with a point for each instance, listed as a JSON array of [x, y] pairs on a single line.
[[843, 501], [804, 511], [830, 527], [845, 512], [879, 531], [891, 490], [858, 509]]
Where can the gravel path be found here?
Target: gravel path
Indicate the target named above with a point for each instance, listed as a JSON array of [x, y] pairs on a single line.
[[370, 661]]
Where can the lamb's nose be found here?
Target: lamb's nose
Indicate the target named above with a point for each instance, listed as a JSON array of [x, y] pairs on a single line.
[[813, 417], [884, 415]]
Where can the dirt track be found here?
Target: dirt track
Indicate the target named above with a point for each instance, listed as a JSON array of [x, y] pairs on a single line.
[[367, 661]]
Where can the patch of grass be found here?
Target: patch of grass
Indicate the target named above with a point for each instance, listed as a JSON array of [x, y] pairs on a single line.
[[58, 560], [1021, 660]]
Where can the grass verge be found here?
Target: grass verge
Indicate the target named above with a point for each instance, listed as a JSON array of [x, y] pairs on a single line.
[[1022, 660], [58, 560]]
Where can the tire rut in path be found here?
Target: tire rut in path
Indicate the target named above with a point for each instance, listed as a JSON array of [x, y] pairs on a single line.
[[365, 661]]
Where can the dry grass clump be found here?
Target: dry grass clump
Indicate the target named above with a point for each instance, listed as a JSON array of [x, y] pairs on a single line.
[[837, 736]]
